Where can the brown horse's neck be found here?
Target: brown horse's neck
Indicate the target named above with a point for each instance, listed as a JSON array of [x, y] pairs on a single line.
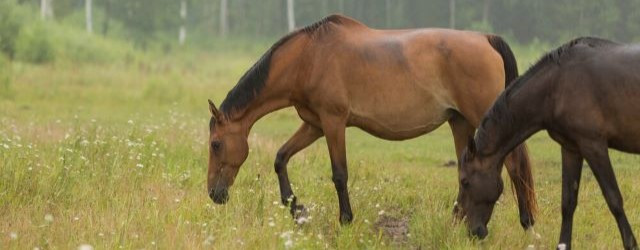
[[260, 107], [284, 65]]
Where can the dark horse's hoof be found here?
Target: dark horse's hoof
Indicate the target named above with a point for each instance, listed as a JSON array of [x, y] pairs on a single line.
[[346, 218]]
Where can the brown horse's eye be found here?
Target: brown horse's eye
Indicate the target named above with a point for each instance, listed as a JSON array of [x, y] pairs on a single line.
[[216, 145]]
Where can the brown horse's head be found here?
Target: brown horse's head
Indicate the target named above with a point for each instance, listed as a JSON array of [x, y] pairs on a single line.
[[480, 187], [228, 149]]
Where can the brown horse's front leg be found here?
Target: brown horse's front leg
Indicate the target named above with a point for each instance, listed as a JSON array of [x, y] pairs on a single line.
[[335, 134], [305, 135]]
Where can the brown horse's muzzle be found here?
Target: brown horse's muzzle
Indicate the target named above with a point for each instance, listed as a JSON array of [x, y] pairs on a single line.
[[219, 195]]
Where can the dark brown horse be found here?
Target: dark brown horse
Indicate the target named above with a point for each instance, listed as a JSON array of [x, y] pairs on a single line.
[[394, 84], [586, 94]]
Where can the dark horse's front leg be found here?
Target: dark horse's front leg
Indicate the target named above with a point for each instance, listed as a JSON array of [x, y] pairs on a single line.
[[571, 172], [334, 131], [305, 135]]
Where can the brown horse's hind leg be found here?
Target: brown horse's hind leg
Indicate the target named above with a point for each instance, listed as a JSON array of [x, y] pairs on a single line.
[[462, 130], [519, 169], [305, 135]]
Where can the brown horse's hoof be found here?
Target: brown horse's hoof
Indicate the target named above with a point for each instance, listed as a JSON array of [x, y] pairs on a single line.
[[527, 222]]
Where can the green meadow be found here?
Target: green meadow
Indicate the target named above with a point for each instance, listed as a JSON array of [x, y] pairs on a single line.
[[104, 145], [114, 155]]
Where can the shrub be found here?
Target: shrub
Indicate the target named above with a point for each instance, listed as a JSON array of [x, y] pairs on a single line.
[[34, 44], [11, 20], [5, 78]]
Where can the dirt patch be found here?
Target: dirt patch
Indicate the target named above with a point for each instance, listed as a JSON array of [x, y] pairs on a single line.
[[394, 228], [450, 163]]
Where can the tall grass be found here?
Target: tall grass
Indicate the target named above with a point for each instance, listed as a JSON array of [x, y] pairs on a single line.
[[105, 145], [114, 155]]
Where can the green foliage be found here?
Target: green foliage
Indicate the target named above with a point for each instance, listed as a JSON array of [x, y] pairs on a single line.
[[5, 77], [34, 44], [11, 20], [164, 89], [78, 46]]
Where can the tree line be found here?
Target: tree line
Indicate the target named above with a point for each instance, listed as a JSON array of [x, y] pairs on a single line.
[[522, 20]]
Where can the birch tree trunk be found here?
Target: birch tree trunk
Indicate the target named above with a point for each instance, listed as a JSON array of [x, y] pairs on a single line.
[[387, 12], [43, 9], [107, 13], [46, 9], [452, 14], [485, 11], [224, 24], [291, 17], [88, 16], [183, 16]]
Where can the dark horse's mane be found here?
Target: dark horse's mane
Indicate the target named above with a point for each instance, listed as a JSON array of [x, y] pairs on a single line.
[[555, 57], [252, 82]]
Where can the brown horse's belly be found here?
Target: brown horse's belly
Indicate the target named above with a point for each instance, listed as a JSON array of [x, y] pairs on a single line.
[[402, 125]]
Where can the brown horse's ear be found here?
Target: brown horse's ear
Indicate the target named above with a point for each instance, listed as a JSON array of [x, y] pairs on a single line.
[[471, 148], [214, 111]]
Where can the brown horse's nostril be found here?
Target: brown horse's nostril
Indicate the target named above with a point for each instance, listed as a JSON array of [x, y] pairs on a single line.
[[219, 196]]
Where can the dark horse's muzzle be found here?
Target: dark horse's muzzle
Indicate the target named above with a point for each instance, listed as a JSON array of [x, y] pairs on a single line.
[[480, 232], [219, 195]]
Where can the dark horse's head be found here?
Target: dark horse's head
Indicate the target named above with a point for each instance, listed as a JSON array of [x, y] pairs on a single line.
[[480, 187], [228, 149]]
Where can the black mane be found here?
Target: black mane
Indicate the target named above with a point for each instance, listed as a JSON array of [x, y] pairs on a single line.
[[556, 56], [252, 82], [500, 111]]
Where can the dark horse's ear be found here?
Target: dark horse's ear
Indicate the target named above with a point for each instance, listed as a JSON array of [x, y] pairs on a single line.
[[471, 147], [214, 111]]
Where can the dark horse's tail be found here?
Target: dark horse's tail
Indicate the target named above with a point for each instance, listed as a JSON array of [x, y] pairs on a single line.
[[521, 178]]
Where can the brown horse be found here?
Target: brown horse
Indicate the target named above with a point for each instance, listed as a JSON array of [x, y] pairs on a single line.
[[586, 94], [393, 84]]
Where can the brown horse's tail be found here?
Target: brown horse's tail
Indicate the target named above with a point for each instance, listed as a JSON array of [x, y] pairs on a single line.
[[509, 60], [521, 178]]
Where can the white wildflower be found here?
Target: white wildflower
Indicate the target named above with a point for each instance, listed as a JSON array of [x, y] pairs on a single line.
[[48, 217], [85, 247], [208, 241], [302, 220], [13, 235]]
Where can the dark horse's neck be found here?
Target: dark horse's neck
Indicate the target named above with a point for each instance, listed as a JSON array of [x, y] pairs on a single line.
[[512, 119]]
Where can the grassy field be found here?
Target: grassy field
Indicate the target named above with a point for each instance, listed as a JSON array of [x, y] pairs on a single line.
[[114, 156]]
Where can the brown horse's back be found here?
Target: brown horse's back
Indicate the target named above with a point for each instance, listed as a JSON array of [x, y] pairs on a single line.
[[400, 84]]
